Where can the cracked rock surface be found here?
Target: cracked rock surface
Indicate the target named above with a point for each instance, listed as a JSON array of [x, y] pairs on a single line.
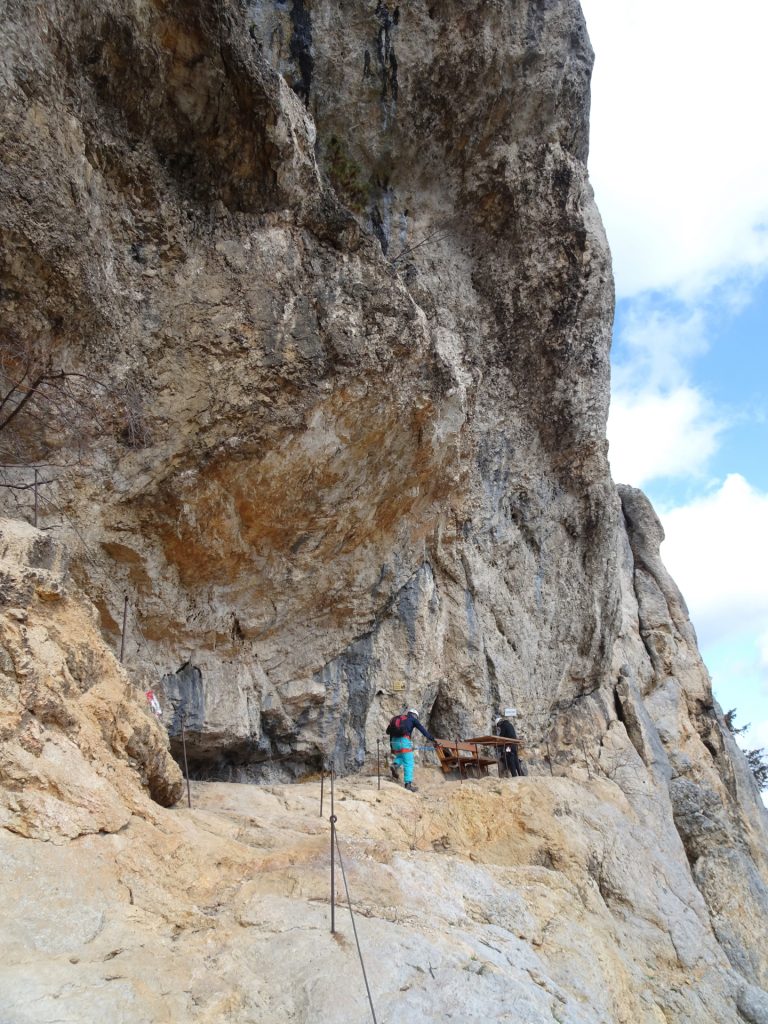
[[336, 277], [538, 899], [352, 316], [80, 752]]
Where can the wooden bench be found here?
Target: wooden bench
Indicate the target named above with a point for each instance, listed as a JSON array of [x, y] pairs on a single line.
[[454, 755]]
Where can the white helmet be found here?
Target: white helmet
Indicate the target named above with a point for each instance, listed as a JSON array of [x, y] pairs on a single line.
[[414, 712], [499, 719]]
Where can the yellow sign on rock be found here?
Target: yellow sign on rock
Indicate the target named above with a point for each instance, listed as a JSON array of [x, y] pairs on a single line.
[[398, 685]]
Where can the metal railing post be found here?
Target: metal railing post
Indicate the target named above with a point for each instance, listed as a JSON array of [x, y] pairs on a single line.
[[125, 626], [333, 861], [186, 766]]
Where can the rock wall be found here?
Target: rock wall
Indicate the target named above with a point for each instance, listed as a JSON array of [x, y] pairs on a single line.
[[336, 281], [340, 273], [541, 899], [679, 732], [81, 751]]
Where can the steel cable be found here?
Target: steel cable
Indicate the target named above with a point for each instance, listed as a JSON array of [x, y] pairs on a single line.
[[354, 928]]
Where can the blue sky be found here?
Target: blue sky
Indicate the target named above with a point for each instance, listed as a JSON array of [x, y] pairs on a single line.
[[679, 164]]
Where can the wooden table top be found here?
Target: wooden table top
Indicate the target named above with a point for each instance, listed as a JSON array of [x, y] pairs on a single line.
[[493, 741]]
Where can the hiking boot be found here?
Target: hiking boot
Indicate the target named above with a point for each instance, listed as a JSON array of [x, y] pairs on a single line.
[[394, 772], [411, 787]]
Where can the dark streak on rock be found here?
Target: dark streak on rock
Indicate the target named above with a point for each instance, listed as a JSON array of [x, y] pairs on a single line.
[[385, 50], [184, 692], [301, 49], [377, 223]]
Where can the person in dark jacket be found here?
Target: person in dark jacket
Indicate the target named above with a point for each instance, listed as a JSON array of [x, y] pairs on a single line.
[[509, 754], [402, 745]]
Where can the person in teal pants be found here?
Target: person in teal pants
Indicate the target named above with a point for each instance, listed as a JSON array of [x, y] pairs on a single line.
[[400, 729]]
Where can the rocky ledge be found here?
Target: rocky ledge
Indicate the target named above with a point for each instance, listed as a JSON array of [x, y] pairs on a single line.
[[81, 753], [323, 305]]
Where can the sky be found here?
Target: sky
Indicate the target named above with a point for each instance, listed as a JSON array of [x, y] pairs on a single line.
[[679, 165]]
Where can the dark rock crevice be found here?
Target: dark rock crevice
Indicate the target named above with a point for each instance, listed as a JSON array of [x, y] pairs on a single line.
[[301, 49], [385, 50]]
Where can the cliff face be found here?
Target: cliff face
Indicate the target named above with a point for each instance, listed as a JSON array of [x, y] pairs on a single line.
[[333, 304], [353, 336], [665, 701], [585, 898], [80, 753]]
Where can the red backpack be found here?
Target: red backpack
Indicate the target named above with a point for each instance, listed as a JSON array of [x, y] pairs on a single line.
[[396, 727]]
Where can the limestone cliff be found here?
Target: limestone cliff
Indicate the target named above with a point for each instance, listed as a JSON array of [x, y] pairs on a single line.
[[353, 337], [77, 738], [541, 899], [325, 303]]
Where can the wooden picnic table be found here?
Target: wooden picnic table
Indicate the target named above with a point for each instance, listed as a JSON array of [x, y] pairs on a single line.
[[494, 741], [461, 755]]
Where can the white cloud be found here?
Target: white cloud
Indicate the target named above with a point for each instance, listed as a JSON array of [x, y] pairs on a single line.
[[659, 424], [657, 344], [755, 737], [656, 434], [763, 647], [679, 163], [679, 156], [716, 549]]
